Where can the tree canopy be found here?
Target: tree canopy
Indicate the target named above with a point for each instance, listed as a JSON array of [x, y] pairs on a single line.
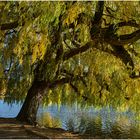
[[91, 48]]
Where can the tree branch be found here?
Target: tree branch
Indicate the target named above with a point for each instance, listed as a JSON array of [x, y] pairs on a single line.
[[124, 56], [68, 79], [59, 82], [81, 78], [96, 23], [77, 91], [99, 12], [122, 39], [7, 26], [119, 52], [69, 54], [131, 23]]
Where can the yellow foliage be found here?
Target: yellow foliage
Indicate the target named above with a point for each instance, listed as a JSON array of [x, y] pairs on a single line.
[[49, 121], [124, 107], [3, 87], [39, 49], [32, 43], [84, 35], [1, 71], [73, 13], [21, 49]]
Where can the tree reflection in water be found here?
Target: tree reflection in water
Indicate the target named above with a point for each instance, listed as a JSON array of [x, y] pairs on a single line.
[[98, 120], [94, 122]]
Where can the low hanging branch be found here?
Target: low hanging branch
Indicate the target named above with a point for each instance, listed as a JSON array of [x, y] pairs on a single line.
[[77, 91], [118, 41], [67, 79], [131, 23], [79, 77], [75, 51], [122, 39], [112, 38], [119, 52]]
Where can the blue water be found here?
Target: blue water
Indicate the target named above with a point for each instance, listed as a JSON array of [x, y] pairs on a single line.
[[105, 122], [9, 111], [106, 114]]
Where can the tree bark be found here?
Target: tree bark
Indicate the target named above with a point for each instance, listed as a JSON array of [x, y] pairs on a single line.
[[30, 106], [7, 26]]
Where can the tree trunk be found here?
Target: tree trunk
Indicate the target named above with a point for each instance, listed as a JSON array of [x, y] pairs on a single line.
[[30, 106]]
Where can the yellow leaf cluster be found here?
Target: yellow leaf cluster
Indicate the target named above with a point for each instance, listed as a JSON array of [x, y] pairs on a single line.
[[49, 121], [18, 51], [1, 71], [3, 87], [39, 49], [73, 13], [31, 43], [84, 35], [21, 49]]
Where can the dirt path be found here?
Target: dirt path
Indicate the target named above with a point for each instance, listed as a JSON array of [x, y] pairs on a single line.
[[12, 129]]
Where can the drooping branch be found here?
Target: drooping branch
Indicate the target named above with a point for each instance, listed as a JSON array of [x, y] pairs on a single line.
[[129, 38], [124, 56], [110, 10], [118, 41], [70, 77], [80, 76], [67, 79], [119, 52], [131, 23], [10, 25], [113, 39], [59, 82], [69, 54], [77, 91]]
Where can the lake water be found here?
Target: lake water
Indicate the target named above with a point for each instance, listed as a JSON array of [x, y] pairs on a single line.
[[9, 110], [91, 121]]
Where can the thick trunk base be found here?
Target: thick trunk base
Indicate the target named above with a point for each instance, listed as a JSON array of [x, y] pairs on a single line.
[[30, 106]]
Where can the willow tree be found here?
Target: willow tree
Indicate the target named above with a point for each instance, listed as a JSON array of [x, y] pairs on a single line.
[[39, 41]]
